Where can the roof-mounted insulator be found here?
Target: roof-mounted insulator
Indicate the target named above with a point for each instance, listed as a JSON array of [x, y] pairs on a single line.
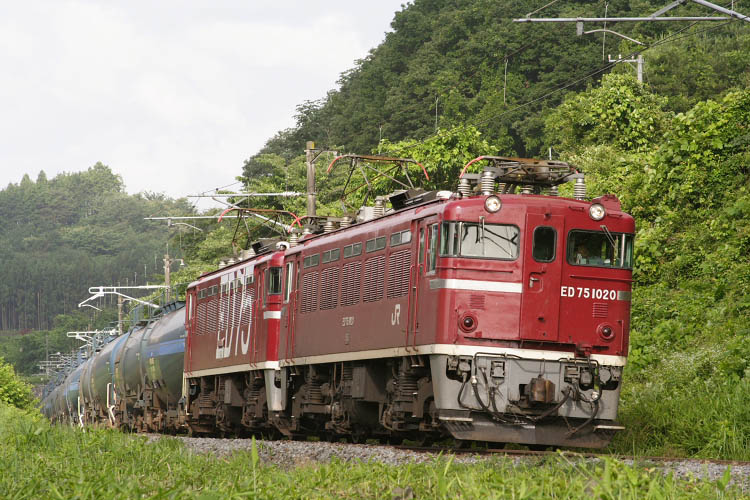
[[329, 226], [579, 189], [379, 207], [346, 221], [246, 254], [464, 188], [293, 239], [487, 183], [527, 189], [307, 230], [553, 191]]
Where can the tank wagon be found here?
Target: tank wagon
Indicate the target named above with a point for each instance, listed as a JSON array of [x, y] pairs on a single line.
[[497, 314], [134, 381]]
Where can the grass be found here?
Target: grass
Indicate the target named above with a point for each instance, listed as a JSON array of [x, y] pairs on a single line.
[[43, 461], [687, 407]]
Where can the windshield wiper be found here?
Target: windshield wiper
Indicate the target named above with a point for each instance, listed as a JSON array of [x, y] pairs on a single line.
[[609, 236]]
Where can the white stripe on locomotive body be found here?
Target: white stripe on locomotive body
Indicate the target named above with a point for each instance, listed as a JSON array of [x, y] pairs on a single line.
[[271, 314], [481, 286], [245, 367], [394, 352]]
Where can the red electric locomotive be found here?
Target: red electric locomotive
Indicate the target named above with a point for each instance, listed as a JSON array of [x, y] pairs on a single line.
[[497, 314]]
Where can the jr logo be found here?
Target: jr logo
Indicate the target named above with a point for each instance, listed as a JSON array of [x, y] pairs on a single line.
[[396, 316]]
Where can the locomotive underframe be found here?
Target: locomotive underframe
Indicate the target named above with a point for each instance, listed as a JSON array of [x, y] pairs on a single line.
[[484, 397]]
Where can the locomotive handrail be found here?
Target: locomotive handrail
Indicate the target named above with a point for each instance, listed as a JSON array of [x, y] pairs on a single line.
[[416, 303], [408, 306]]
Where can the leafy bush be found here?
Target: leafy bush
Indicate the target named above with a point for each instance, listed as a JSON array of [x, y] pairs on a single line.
[[14, 391]]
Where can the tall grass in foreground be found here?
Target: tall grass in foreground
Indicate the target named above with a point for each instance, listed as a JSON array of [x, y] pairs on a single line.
[[43, 461], [688, 406]]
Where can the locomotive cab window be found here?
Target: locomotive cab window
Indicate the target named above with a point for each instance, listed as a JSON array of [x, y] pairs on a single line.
[[600, 249], [545, 241], [273, 281], [478, 239], [289, 280], [432, 248], [421, 246]]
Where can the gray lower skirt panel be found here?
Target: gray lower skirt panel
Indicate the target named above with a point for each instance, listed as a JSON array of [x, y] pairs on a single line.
[[552, 433]]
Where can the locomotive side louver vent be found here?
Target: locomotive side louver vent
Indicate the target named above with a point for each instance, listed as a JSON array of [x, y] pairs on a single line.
[[351, 283], [601, 310], [223, 312], [329, 288], [236, 304], [309, 301], [398, 273], [213, 314], [246, 320], [374, 279], [476, 301], [200, 327]]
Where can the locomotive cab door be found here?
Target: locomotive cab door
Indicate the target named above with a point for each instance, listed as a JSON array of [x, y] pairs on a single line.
[[289, 305], [422, 320], [543, 255]]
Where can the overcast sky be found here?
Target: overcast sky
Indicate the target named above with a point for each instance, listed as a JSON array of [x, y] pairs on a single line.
[[172, 95]]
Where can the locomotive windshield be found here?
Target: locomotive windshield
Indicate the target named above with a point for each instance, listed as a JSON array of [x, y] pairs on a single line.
[[600, 249], [472, 239]]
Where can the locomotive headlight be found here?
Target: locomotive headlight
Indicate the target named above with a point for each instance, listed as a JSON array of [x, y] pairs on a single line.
[[493, 204], [597, 211]]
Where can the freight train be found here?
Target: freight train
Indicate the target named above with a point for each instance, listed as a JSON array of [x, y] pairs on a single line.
[[498, 313]]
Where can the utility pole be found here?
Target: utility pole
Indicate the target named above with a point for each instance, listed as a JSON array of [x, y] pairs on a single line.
[[167, 269], [119, 314], [311, 194], [638, 60], [311, 155]]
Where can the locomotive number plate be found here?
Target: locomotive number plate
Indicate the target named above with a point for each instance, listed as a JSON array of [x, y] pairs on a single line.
[[588, 293], [347, 321]]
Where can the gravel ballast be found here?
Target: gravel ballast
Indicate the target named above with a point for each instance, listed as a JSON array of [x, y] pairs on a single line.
[[287, 454]]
